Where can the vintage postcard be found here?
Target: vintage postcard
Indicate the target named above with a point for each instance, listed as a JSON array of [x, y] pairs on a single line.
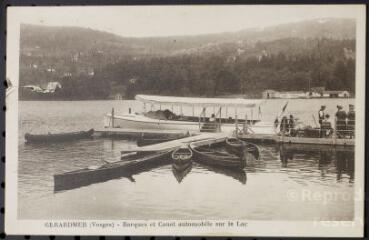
[[211, 120]]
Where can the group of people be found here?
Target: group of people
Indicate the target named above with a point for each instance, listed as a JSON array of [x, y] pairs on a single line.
[[345, 122], [287, 124]]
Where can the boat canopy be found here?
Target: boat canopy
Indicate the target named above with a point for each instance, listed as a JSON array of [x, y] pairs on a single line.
[[203, 102]]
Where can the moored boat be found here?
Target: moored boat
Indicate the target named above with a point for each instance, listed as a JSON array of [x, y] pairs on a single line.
[[168, 120], [58, 137], [182, 157], [239, 147], [108, 171], [182, 154], [216, 155]]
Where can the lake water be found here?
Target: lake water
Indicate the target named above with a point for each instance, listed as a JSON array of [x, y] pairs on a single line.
[[284, 184]]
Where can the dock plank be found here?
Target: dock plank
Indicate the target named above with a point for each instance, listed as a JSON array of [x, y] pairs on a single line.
[[205, 138]]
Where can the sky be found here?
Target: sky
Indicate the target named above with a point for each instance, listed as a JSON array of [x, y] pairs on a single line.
[[144, 21]]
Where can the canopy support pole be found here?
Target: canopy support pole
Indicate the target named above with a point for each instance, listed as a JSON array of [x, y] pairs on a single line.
[[112, 117], [220, 118]]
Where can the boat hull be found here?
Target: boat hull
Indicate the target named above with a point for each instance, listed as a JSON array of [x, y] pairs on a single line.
[[87, 176], [61, 137], [139, 121], [209, 157], [240, 148]]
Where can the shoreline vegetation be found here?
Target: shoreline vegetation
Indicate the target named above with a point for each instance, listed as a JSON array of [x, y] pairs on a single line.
[[94, 65]]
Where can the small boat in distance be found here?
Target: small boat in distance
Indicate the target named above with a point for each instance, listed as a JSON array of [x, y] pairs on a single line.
[[58, 137], [216, 154]]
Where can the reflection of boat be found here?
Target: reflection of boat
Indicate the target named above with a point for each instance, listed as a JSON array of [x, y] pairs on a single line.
[[215, 154], [166, 119], [315, 147], [179, 174], [238, 174], [58, 137], [239, 147], [95, 174]]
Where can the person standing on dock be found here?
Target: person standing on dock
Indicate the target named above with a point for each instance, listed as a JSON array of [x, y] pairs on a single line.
[[351, 121], [321, 116], [291, 125], [340, 121], [283, 128], [326, 126]]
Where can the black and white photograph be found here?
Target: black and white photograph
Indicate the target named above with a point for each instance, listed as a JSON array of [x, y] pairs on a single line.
[[207, 120]]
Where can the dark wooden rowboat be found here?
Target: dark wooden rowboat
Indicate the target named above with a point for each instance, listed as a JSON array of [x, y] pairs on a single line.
[[123, 168], [182, 154], [216, 155], [239, 147], [182, 158], [58, 137]]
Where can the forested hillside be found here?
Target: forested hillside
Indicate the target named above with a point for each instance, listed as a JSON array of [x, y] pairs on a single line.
[[96, 65]]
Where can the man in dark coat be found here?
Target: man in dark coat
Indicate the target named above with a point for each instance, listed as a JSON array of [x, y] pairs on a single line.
[[321, 116], [351, 121], [340, 121]]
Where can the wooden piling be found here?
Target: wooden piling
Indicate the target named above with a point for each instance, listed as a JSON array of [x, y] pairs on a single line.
[[112, 117]]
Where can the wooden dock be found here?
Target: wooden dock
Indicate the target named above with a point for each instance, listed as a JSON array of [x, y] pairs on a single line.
[[127, 133], [187, 136], [204, 138], [263, 138]]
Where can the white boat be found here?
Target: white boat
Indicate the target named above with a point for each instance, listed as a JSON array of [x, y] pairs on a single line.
[[168, 120]]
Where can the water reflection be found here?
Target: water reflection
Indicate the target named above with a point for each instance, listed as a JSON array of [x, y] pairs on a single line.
[[181, 172], [327, 159], [237, 174]]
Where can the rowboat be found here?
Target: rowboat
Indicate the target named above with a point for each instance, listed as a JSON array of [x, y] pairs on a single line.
[[165, 119], [239, 147], [179, 174], [182, 158], [216, 154], [58, 137], [108, 171], [182, 154]]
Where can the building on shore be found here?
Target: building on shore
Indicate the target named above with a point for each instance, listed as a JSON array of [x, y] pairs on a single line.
[[336, 94], [269, 93], [318, 92]]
